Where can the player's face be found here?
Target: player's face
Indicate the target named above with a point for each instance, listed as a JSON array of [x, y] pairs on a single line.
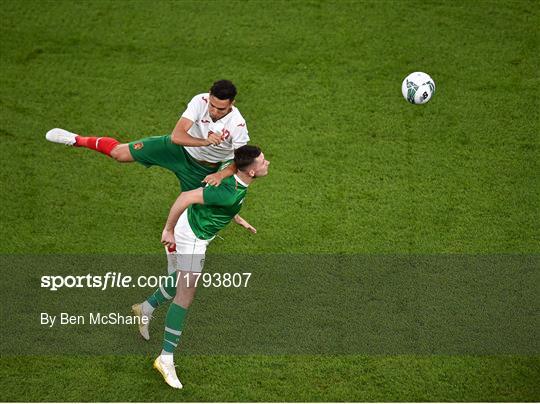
[[217, 108], [260, 167]]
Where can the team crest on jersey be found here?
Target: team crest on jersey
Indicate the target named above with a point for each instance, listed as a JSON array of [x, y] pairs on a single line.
[[138, 146]]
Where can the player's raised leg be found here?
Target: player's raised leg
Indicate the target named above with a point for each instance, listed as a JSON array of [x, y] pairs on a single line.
[[106, 145], [174, 323]]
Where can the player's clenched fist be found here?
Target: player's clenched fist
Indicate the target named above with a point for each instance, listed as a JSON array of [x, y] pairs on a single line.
[[167, 238], [213, 179], [214, 138]]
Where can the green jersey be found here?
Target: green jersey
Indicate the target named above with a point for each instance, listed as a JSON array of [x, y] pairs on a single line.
[[161, 151], [221, 204]]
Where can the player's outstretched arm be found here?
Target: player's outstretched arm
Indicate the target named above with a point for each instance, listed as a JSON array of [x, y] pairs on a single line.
[[216, 178], [180, 135], [179, 206], [243, 222]]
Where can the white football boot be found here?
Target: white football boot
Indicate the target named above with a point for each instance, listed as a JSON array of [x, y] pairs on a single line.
[[165, 366], [61, 136], [138, 310]]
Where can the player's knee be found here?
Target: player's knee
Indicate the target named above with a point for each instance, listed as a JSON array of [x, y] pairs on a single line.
[[116, 153], [183, 300], [121, 153]]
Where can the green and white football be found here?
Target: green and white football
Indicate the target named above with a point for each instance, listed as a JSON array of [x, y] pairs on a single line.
[[418, 88]]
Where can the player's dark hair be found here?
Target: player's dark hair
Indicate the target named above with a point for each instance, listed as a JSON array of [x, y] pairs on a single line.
[[223, 89], [244, 156]]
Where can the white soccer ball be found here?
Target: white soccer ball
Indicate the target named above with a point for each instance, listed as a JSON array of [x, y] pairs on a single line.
[[418, 88]]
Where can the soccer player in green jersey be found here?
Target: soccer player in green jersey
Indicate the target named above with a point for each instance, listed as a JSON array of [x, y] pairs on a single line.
[[193, 222]]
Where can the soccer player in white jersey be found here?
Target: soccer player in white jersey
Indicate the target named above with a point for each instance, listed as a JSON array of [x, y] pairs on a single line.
[[207, 133]]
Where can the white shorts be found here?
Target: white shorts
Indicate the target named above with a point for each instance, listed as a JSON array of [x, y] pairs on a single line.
[[189, 252]]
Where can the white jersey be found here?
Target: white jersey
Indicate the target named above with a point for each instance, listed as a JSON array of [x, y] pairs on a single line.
[[232, 126]]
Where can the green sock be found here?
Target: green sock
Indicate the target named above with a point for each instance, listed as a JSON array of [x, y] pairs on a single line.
[[173, 327], [164, 292]]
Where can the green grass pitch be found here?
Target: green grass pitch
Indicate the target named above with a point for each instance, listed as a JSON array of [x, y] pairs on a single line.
[[354, 168]]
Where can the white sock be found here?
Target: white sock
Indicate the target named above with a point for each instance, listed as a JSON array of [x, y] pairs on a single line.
[[147, 308]]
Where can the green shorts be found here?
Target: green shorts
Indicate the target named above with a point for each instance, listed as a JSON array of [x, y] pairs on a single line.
[[161, 151]]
